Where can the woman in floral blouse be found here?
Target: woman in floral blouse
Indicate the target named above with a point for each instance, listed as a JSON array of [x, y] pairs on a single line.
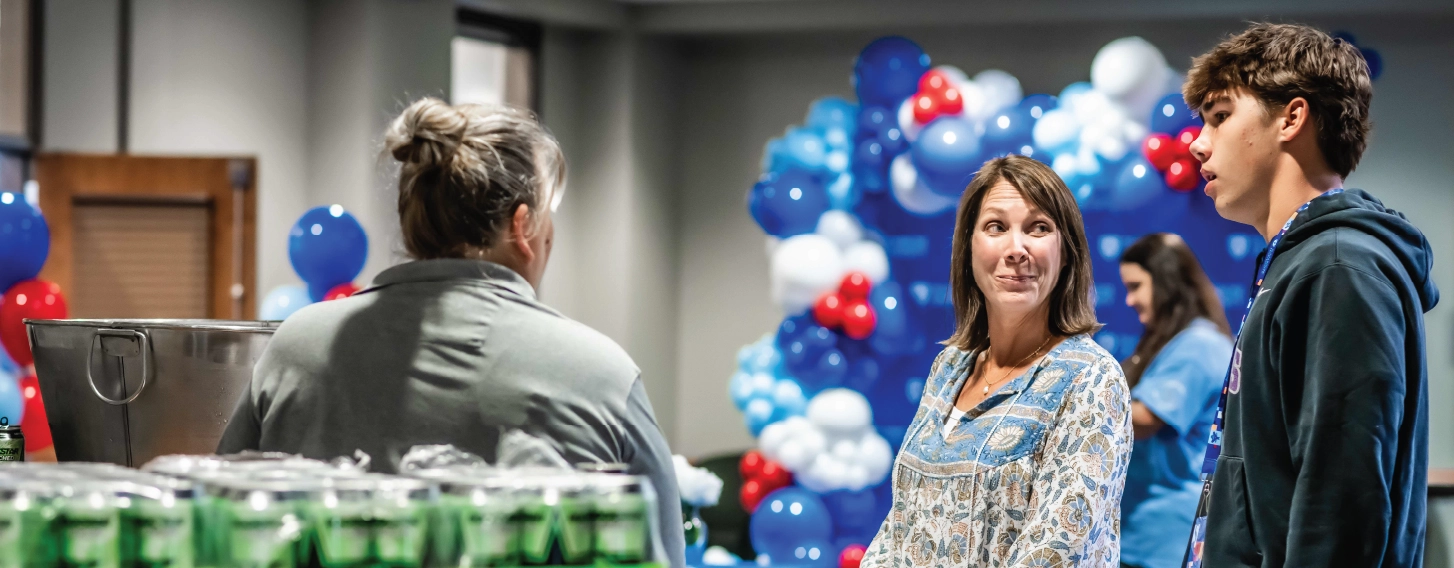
[[1018, 454]]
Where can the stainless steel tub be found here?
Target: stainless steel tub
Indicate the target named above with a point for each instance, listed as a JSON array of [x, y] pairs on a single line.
[[125, 391]]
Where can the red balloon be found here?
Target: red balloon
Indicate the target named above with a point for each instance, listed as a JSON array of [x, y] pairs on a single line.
[[751, 465], [950, 102], [828, 310], [31, 299], [1184, 174], [852, 556], [33, 423], [774, 476], [750, 495], [1182, 147], [343, 290], [855, 287], [934, 82], [926, 108], [1159, 150], [859, 320]]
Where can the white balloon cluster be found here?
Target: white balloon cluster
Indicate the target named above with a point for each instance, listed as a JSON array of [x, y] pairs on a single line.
[[1107, 119], [834, 447], [804, 267], [698, 487]]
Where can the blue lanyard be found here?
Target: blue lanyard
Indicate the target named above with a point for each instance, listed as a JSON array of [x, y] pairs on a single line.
[[1233, 379]]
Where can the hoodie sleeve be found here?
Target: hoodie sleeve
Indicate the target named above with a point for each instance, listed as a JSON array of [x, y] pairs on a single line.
[[1342, 331]]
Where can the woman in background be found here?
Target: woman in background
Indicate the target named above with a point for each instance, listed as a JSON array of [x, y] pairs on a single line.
[[1176, 377]]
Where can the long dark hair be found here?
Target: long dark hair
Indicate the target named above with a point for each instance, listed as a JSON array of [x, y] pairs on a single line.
[[1071, 308], [1180, 293]]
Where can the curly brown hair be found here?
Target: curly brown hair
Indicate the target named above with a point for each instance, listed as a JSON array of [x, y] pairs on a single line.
[[1280, 62]]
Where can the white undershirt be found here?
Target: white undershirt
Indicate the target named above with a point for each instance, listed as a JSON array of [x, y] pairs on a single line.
[[954, 417]]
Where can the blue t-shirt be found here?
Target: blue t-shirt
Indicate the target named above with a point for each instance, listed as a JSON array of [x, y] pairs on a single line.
[[1181, 387]]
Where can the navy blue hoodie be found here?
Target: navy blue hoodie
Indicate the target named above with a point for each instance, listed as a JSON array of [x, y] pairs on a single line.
[[1326, 443]]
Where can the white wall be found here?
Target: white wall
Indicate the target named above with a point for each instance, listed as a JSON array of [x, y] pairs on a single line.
[[740, 90], [78, 107]]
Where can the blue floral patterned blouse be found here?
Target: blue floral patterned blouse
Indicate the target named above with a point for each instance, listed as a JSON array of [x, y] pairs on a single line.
[[1032, 476]]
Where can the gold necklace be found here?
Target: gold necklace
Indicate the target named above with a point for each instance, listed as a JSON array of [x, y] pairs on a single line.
[[988, 384]]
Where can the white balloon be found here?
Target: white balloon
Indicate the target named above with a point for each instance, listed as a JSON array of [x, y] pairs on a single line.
[[772, 439], [1001, 89], [786, 393], [869, 258], [825, 474], [1126, 66], [977, 103], [799, 452], [845, 450], [1057, 129], [1134, 132], [771, 245], [855, 478], [840, 411], [916, 198], [906, 120], [955, 74], [876, 457], [803, 268], [1105, 142], [1086, 162], [841, 227], [1065, 165], [1093, 107]]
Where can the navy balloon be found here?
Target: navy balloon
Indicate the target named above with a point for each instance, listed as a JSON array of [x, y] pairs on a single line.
[[894, 333], [328, 247], [888, 71], [1137, 184], [854, 513], [1009, 132], [24, 240], [1038, 105], [788, 203], [947, 149], [875, 119], [1171, 115], [787, 518], [830, 372], [870, 154], [1375, 62], [893, 141]]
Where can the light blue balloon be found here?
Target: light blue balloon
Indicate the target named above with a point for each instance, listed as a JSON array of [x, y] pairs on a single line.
[[740, 388], [7, 365], [757, 415], [1074, 89], [12, 403], [833, 112], [843, 194], [802, 148], [788, 400], [282, 301], [744, 356]]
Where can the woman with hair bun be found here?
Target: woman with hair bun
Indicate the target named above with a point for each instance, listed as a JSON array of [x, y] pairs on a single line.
[[454, 347]]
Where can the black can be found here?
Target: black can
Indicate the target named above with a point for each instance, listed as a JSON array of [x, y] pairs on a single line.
[[12, 441]]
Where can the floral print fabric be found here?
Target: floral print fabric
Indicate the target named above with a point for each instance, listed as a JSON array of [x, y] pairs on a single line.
[[1032, 477]]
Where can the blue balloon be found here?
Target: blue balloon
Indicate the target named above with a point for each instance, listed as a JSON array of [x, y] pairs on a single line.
[[328, 247], [789, 330], [870, 154], [895, 332], [1073, 90], [803, 353], [1038, 105], [875, 119], [811, 554], [833, 112], [786, 519], [12, 402], [788, 203], [1137, 184], [281, 302], [855, 513], [887, 71], [1375, 62], [740, 389], [24, 240], [1171, 115], [7, 365], [801, 147], [831, 369], [948, 149], [1009, 132], [893, 141], [758, 414]]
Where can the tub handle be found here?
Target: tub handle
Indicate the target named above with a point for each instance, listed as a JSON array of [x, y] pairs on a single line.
[[145, 353]]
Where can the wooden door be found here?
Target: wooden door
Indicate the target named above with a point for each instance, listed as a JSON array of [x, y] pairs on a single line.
[[151, 237]]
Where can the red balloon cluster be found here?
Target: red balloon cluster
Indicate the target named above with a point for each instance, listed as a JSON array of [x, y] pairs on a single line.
[[852, 556], [760, 476], [848, 308], [31, 299], [343, 290], [937, 96], [1171, 155], [34, 426]]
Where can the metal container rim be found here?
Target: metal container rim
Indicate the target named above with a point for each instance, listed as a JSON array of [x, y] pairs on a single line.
[[246, 326]]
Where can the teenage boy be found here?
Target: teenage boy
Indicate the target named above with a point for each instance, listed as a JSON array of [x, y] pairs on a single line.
[[1324, 437]]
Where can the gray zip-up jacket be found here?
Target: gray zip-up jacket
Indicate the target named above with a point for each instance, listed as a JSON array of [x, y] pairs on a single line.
[[452, 352]]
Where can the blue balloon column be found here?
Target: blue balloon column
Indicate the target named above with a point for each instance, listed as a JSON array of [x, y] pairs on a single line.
[[869, 191]]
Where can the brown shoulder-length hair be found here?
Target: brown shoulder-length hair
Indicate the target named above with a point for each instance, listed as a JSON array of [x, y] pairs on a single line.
[[1072, 311], [1180, 293]]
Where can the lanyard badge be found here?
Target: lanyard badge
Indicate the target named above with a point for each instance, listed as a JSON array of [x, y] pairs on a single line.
[[1232, 382]]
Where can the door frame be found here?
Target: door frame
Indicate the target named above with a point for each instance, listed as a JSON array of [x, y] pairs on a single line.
[[227, 185]]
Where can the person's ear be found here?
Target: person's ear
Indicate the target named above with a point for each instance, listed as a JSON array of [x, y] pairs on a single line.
[[1295, 119], [520, 230]]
